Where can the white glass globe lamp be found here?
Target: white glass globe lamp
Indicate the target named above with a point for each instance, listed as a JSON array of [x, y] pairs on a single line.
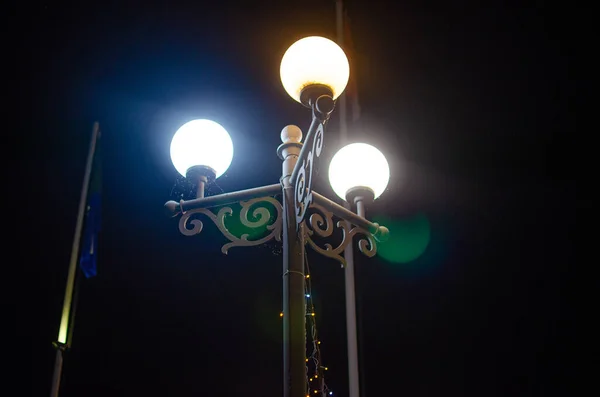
[[202, 145], [359, 166], [317, 64]]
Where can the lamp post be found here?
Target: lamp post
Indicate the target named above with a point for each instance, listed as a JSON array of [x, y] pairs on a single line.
[[359, 183], [314, 71]]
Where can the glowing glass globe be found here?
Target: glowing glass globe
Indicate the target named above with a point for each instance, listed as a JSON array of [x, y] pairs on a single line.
[[201, 142], [358, 165], [314, 60]]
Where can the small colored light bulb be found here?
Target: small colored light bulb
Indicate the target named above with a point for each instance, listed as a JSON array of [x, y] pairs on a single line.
[[281, 314]]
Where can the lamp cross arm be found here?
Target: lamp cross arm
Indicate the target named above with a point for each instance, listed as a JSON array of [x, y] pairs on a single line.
[[174, 208], [381, 233], [319, 226], [258, 211]]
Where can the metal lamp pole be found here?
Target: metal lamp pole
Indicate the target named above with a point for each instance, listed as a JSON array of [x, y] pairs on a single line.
[[294, 304], [349, 272], [302, 217]]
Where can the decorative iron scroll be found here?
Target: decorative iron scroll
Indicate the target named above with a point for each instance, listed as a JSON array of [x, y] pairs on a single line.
[[261, 215], [321, 224], [303, 186]]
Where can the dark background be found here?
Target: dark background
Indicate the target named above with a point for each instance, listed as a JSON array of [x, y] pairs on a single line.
[[468, 101]]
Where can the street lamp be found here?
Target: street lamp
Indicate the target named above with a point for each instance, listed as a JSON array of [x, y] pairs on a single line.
[[359, 183], [314, 61], [314, 72], [201, 150], [349, 177]]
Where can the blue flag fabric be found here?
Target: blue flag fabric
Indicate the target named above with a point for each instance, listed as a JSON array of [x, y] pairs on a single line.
[[89, 246]]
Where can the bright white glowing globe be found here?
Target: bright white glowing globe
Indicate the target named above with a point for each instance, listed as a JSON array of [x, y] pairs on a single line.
[[314, 60], [201, 142], [358, 165]]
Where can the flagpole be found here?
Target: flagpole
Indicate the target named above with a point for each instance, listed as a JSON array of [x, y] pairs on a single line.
[[63, 333], [339, 22], [351, 328]]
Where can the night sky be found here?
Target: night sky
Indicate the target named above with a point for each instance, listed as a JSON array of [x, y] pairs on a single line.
[[470, 104]]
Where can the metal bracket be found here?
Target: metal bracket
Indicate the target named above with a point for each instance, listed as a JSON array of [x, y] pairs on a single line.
[[260, 213], [303, 185], [321, 224], [320, 99]]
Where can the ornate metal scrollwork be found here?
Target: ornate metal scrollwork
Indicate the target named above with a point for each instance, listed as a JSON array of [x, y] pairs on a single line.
[[260, 213], [303, 186], [321, 224]]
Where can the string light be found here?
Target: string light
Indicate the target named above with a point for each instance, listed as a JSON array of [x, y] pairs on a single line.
[[316, 382], [314, 366]]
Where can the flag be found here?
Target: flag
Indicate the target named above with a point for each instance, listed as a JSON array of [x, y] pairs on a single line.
[[83, 251], [89, 245]]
